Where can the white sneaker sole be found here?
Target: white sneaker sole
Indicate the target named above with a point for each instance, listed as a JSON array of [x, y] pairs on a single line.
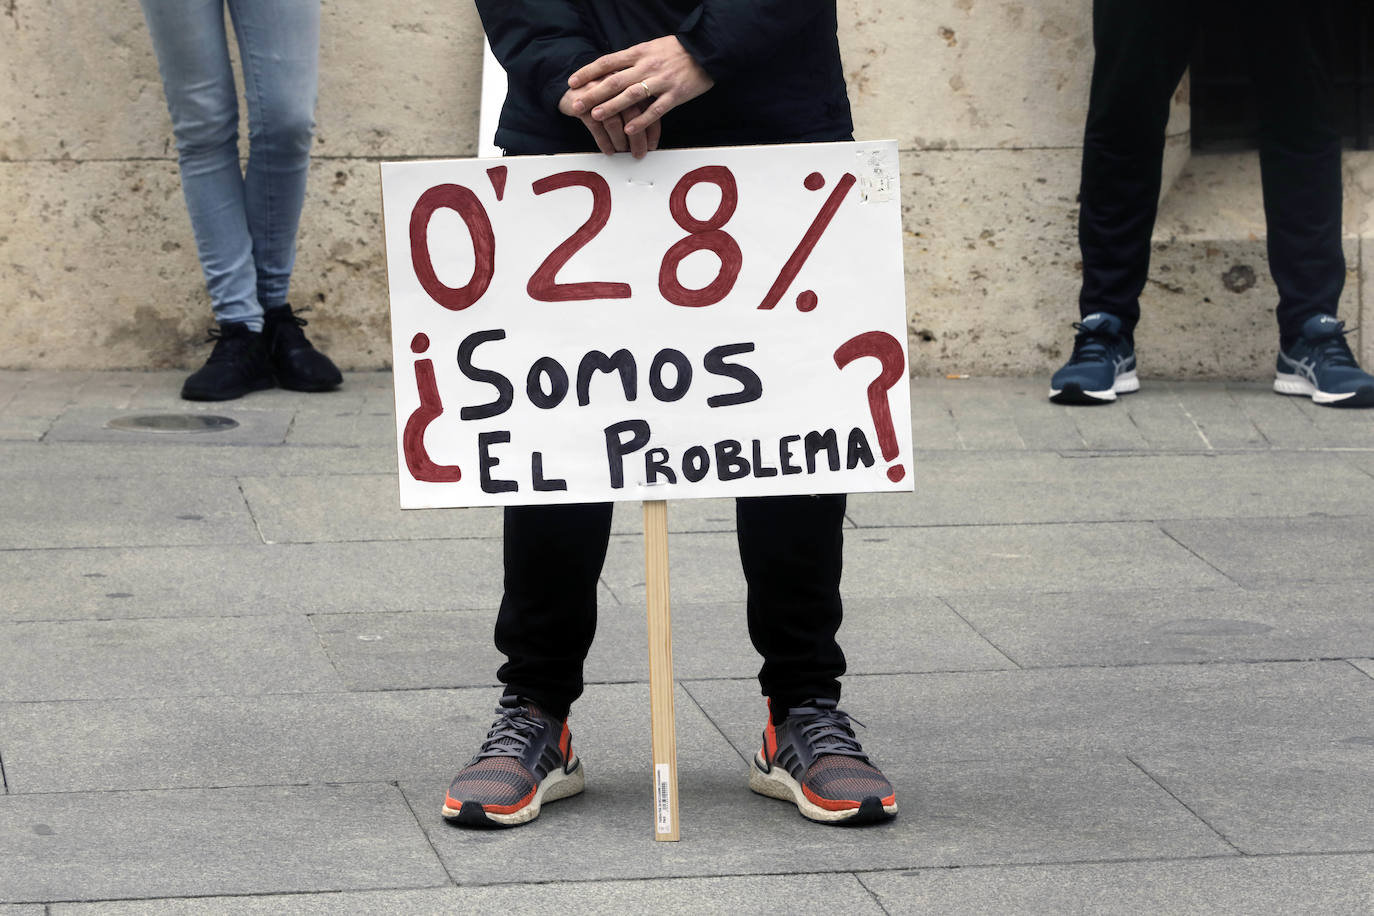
[[778, 783], [1284, 383], [556, 785], [1125, 383]]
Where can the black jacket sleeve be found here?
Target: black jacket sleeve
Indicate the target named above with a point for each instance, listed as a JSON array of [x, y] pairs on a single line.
[[540, 43], [726, 36]]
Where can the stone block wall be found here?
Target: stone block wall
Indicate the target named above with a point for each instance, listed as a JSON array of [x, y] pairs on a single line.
[[986, 99]]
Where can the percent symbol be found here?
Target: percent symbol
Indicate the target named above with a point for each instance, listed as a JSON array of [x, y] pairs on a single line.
[[807, 299]]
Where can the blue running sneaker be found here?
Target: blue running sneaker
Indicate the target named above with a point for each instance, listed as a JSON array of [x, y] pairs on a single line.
[[1101, 367], [1319, 365]]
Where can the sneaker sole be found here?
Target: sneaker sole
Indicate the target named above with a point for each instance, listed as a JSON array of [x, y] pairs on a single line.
[[1126, 383], [555, 786], [778, 783], [1298, 386]]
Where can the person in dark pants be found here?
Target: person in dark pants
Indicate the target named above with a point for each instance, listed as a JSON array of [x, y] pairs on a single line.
[[1143, 47], [628, 77]]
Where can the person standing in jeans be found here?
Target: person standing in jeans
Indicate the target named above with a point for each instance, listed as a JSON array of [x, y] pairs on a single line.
[[1143, 47], [244, 221], [624, 76]]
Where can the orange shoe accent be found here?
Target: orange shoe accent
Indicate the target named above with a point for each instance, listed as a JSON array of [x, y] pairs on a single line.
[[770, 737]]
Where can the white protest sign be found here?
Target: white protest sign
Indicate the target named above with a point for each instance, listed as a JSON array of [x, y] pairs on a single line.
[[697, 323]]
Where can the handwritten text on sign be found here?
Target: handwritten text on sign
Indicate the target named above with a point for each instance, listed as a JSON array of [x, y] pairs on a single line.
[[724, 322]]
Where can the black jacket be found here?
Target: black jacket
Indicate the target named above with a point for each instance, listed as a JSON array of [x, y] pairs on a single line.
[[776, 64]]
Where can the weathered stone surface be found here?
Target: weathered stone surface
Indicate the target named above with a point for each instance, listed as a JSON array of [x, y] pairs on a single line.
[[246, 579], [108, 659], [1225, 886], [1164, 625], [1168, 711], [215, 841], [1299, 549], [1017, 487], [393, 82], [90, 512], [1268, 800], [991, 76], [454, 648], [839, 892]]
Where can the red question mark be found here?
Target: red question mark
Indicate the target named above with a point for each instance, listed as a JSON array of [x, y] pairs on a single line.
[[892, 354]]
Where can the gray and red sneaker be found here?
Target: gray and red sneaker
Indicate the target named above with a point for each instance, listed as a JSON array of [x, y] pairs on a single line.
[[526, 760], [812, 759]]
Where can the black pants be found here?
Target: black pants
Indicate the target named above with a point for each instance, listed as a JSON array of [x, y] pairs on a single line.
[[1142, 48], [790, 548]]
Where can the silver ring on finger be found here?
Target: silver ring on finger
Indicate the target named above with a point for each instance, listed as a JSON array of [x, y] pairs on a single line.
[[648, 94]]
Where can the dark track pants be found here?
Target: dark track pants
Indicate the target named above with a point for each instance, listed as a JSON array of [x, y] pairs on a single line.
[[791, 550], [1142, 49]]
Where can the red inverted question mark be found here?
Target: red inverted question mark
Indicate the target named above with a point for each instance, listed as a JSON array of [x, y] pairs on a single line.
[[889, 351], [418, 462]]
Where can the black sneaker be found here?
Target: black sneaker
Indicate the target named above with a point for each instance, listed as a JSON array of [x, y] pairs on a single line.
[[1319, 365], [1101, 367], [813, 760], [296, 363], [236, 366], [526, 760]]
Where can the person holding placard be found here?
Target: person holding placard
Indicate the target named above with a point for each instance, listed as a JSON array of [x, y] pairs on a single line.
[[1142, 49], [244, 222], [624, 77]]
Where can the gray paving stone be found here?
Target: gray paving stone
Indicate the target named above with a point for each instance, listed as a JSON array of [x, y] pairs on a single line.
[[357, 507], [1284, 422], [242, 580], [454, 648], [1018, 488], [1217, 415], [375, 425], [1227, 886], [49, 392], [19, 909], [38, 460], [980, 411], [256, 426], [1159, 625], [1364, 664], [943, 560], [1277, 707], [96, 746], [1107, 428], [99, 512], [963, 813], [109, 659], [932, 422], [949, 560], [1259, 552], [1045, 426], [23, 428], [1163, 420], [688, 896], [210, 841], [1302, 799]]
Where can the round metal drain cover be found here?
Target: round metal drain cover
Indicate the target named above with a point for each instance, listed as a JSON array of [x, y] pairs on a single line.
[[174, 423]]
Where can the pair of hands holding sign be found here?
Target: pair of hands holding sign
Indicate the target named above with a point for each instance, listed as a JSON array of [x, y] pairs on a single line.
[[621, 97]]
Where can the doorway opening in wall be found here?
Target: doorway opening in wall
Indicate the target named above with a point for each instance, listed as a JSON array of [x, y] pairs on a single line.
[[1224, 112]]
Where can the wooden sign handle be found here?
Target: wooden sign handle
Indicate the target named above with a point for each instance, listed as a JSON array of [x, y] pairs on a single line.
[[662, 721]]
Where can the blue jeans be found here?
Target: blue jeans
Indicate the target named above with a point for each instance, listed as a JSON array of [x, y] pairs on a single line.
[[244, 220]]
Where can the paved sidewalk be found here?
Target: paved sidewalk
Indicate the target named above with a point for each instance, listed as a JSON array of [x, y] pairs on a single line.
[[1115, 660]]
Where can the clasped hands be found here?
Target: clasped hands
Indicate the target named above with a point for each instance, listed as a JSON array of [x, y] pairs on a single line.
[[621, 97]]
